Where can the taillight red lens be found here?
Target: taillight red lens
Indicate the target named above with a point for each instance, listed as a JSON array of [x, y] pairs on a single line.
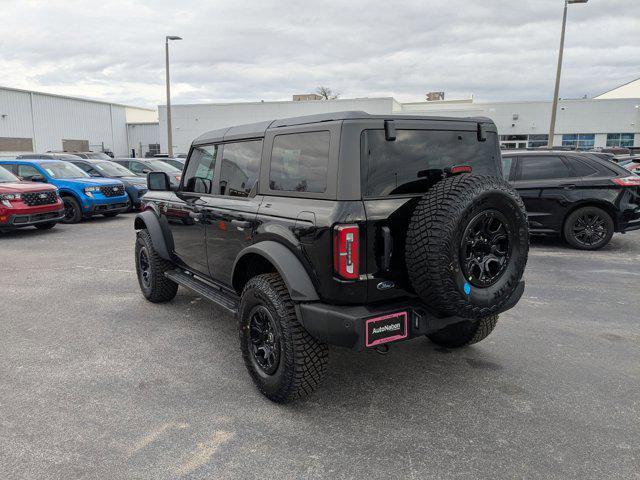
[[460, 169], [346, 245], [632, 181]]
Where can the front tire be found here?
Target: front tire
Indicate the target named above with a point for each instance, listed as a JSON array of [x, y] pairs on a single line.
[[464, 334], [72, 210], [588, 228], [284, 361], [150, 268]]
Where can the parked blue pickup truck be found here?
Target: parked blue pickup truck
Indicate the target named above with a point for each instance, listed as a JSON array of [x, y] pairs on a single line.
[[83, 196]]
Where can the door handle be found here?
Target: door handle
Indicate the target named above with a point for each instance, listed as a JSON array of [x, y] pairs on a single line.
[[568, 185], [241, 223]]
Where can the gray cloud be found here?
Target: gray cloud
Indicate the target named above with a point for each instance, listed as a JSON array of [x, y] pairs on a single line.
[[236, 51]]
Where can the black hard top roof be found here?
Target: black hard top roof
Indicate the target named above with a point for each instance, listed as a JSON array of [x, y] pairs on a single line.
[[258, 129], [548, 152]]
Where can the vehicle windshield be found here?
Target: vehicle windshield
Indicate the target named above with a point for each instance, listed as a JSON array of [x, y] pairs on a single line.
[[97, 155], [174, 163], [63, 170], [159, 165], [112, 169], [6, 176]]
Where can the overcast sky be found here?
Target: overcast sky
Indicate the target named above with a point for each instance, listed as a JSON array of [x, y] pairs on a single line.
[[267, 50]]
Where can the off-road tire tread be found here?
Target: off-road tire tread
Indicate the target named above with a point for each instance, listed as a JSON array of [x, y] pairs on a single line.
[[162, 289], [455, 337], [431, 230], [305, 357]]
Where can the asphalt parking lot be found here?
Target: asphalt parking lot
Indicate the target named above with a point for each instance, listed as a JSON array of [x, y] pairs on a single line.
[[95, 382]]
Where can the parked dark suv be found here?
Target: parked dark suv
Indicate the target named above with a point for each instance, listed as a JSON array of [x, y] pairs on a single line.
[[346, 229], [578, 196]]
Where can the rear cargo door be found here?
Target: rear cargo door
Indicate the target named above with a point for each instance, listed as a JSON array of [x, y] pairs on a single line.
[[396, 173]]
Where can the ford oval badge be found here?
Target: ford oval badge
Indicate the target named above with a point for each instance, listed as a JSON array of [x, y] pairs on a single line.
[[385, 285]]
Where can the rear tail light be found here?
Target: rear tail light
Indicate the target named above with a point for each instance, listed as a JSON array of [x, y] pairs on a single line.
[[346, 247], [631, 181], [456, 169]]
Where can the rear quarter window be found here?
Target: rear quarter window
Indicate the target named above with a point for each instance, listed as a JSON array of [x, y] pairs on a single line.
[[398, 167], [300, 162]]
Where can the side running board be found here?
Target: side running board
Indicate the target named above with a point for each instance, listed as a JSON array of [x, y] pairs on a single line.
[[215, 294]]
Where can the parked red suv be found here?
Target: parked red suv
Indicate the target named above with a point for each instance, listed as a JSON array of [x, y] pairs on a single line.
[[24, 204]]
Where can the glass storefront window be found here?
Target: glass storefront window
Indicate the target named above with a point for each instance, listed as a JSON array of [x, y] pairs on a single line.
[[579, 141], [620, 139]]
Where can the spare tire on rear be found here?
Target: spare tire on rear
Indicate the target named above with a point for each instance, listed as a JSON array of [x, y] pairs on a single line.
[[467, 245]]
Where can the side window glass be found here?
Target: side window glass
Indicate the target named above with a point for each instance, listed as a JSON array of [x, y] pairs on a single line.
[[136, 167], [12, 168], [27, 172], [581, 169], [299, 162], [506, 167], [240, 167], [198, 177], [542, 167]]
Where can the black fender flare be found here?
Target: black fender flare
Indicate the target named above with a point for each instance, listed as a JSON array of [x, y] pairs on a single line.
[[160, 235], [289, 267]]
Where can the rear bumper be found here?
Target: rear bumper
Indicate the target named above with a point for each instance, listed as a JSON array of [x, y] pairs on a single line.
[[346, 326], [26, 220]]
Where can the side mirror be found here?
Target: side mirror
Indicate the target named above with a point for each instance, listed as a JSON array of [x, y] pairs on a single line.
[[146, 170], [37, 178], [158, 181]]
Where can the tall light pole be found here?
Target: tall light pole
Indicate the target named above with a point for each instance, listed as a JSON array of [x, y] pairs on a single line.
[[554, 108], [169, 134]]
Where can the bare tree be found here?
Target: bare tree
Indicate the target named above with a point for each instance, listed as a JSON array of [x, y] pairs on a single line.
[[327, 93]]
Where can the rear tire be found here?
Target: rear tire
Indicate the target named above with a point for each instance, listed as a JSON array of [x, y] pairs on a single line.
[[284, 361], [150, 268], [72, 210], [588, 228], [464, 334], [45, 226]]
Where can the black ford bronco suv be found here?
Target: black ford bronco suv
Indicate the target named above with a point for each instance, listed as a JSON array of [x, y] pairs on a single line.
[[346, 228]]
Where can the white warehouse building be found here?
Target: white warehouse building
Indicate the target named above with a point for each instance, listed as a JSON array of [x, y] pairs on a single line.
[[612, 119], [40, 122]]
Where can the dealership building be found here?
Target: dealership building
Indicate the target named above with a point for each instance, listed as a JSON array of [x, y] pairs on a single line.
[[610, 119], [40, 122], [33, 121]]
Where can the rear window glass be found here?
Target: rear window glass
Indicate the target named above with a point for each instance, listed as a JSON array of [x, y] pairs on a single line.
[[398, 167], [542, 167], [299, 162], [581, 169]]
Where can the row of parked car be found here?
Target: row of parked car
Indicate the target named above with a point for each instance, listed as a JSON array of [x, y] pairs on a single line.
[[42, 189]]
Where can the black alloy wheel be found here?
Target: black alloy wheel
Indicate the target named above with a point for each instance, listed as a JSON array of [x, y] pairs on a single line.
[[485, 248], [590, 229], [72, 211], [69, 210], [265, 344], [144, 267]]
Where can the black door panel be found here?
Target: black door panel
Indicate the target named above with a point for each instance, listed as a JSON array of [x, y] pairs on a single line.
[[548, 189], [184, 214]]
